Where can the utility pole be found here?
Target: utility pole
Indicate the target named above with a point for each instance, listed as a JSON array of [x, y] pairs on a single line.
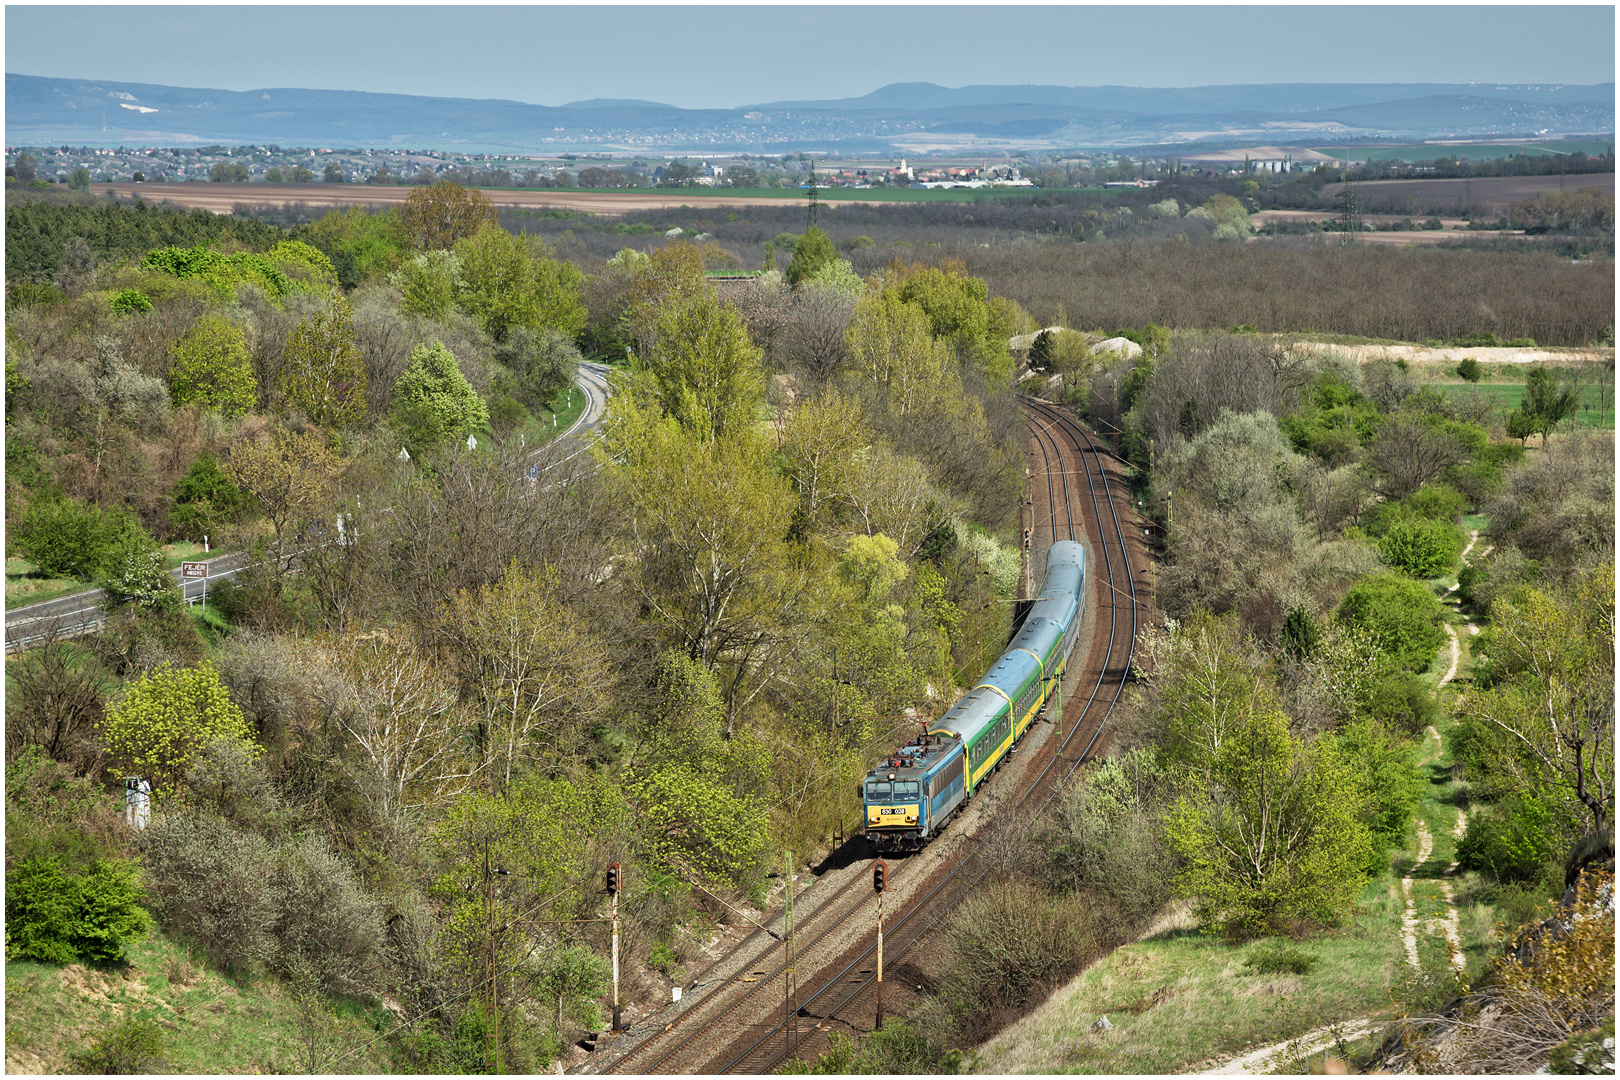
[[880, 881], [814, 199], [789, 983], [492, 1035]]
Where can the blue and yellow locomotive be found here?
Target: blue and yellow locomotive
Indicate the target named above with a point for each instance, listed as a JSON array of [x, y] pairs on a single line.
[[909, 797]]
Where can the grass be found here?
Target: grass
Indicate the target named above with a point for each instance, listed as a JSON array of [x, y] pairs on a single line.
[[1596, 406], [1410, 152], [26, 585], [210, 1024], [1179, 999]]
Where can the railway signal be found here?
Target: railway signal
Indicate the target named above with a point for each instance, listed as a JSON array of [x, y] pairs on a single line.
[[880, 881], [613, 889]]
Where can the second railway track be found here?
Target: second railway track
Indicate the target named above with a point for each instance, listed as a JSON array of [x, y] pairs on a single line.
[[739, 1022]]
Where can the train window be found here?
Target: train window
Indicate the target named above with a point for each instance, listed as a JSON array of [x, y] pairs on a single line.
[[878, 791], [907, 791]]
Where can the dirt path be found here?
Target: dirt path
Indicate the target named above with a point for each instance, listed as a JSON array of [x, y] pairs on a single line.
[[1270, 1058]]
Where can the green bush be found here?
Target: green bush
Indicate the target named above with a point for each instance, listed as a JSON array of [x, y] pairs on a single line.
[[434, 402], [1402, 702], [1391, 785], [131, 1046], [130, 302], [1276, 958], [1469, 369], [64, 537], [212, 368], [1515, 841], [1421, 547], [1401, 614], [204, 497], [57, 917]]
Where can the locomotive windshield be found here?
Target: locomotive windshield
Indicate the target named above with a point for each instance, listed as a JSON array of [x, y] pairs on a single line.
[[897, 791]]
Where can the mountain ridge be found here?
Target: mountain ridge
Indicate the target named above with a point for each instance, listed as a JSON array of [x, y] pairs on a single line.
[[905, 117]]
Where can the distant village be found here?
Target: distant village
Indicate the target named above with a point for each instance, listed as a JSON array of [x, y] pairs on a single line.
[[82, 166]]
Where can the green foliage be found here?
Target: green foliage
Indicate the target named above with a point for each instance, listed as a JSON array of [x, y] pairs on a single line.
[[1275, 958], [223, 273], [362, 245], [707, 370], [1300, 637], [66, 538], [837, 277], [872, 565], [1107, 839], [900, 1048], [1547, 404], [427, 284], [509, 281], [59, 917], [1403, 702], [212, 368], [1390, 784], [166, 718], [133, 1045], [1270, 832], [1470, 370], [811, 252], [37, 231], [1437, 502], [697, 826], [130, 302], [1421, 547], [134, 576], [322, 374], [204, 497], [960, 311], [1401, 614], [1514, 841], [575, 977], [540, 365], [433, 401]]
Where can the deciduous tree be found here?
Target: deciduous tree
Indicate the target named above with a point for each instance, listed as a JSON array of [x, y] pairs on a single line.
[[212, 368], [164, 719], [435, 218], [321, 372], [433, 400]]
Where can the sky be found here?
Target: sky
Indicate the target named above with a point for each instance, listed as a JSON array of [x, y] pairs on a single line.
[[726, 56]]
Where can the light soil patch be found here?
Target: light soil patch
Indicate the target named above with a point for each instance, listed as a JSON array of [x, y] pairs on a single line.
[[1425, 354], [223, 198], [1453, 654], [1272, 1058]]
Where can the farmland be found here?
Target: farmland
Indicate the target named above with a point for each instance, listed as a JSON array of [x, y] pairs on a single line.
[[222, 198], [1492, 194]]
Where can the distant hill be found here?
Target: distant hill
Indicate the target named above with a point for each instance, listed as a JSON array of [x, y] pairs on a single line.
[[43, 111]]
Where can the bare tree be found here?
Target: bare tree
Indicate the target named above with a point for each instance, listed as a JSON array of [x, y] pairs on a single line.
[[1407, 453]]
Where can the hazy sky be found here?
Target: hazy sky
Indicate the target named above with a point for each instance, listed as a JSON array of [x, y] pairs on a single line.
[[725, 56]]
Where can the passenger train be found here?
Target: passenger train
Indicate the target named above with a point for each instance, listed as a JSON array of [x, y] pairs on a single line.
[[909, 797]]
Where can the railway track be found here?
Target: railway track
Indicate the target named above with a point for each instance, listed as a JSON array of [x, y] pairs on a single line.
[[742, 1023]]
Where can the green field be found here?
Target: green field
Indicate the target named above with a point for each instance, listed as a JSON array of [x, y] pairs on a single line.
[[1472, 151], [1596, 405]]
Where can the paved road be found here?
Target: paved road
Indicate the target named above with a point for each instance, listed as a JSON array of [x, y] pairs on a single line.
[[81, 612]]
